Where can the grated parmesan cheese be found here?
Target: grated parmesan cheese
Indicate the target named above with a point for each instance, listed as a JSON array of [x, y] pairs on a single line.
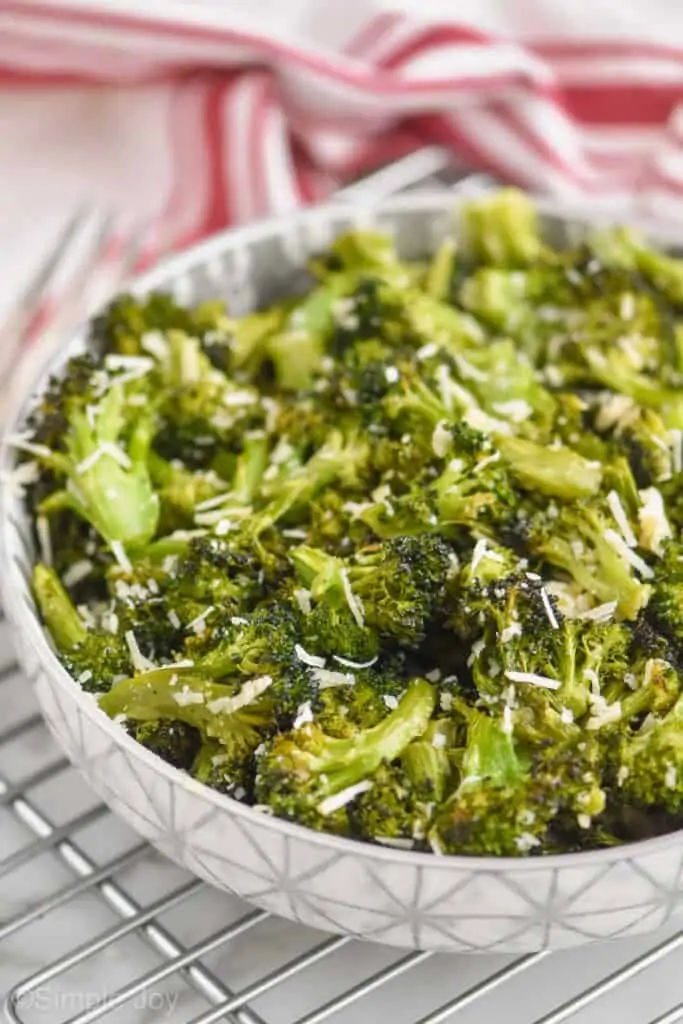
[[140, 663], [198, 624], [251, 690], [325, 678], [186, 696], [441, 440], [174, 619], [604, 715], [396, 842], [479, 552], [516, 410], [531, 677], [119, 553], [338, 800], [549, 609], [303, 599], [654, 526], [629, 556], [313, 660], [354, 604], [526, 841], [44, 539], [304, 714], [621, 519], [355, 664], [513, 630], [22, 476], [427, 351], [601, 612], [77, 572], [671, 777]]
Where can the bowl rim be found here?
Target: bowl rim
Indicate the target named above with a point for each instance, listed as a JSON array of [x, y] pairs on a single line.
[[27, 621]]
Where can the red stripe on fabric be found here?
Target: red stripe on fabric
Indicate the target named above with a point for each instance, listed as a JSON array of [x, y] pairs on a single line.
[[637, 104], [599, 49], [440, 130], [537, 143], [325, 65], [219, 212], [265, 98], [401, 140], [192, 108], [433, 36]]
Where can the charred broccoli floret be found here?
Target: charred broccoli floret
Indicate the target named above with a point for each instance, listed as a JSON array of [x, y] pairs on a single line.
[[308, 776], [174, 741], [396, 588], [94, 656]]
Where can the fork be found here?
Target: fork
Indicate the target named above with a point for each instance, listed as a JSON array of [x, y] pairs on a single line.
[[91, 258]]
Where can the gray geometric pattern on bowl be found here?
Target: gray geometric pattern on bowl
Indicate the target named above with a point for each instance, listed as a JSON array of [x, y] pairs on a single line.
[[421, 901]]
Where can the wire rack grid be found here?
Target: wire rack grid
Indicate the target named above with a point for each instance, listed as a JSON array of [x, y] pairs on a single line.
[[95, 925]]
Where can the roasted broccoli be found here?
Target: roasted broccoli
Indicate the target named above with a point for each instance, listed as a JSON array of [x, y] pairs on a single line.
[[92, 654], [395, 557]]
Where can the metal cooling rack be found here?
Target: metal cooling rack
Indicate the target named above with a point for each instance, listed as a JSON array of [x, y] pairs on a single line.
[[95, 925]]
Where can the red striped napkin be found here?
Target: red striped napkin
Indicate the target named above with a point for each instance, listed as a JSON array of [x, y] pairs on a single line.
[[238, 117]]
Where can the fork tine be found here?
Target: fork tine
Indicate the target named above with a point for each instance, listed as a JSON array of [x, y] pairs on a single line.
[[17, 321], [58, 307]]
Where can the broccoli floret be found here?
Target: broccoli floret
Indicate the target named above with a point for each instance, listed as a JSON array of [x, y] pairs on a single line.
[[404, 794], [475, 490], [651, 768], [228, 772], [395, 588], [174, 741], [203, 412], [641, 434], [181, 491], [128, 321], [344, 711], [582, 542], [229, 573], [265, 643], [94, 657], [103, 466], [48, 422], [308, 776], [664, 610], [238, 717], [525, 640], [330, 630], [508, 798], [502, 229]]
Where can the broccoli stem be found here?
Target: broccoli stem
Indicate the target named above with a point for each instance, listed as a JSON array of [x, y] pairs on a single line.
[[59, 614], [555, 472], [236, 719], [490, 754], [344, 762]]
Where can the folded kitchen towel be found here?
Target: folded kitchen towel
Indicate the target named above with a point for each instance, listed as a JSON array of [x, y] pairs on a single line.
[[206, 114]]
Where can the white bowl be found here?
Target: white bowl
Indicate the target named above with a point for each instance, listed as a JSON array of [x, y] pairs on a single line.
[[413, 900]]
